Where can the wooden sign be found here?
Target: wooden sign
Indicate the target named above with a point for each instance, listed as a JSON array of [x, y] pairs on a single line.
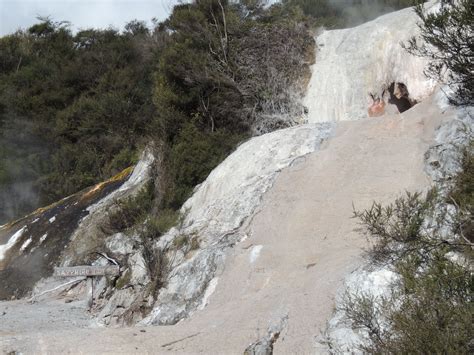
[[111, 270]]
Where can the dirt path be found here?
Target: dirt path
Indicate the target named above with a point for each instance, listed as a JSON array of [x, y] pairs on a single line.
[[301, 245]]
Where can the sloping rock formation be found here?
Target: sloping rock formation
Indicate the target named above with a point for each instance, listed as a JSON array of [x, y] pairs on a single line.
[[219, 211], [288, 260], [266, 241], [353, 62], [64, 233]]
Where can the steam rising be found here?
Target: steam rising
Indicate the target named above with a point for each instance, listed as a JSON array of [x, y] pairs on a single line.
[[357, 12], [21, 158]]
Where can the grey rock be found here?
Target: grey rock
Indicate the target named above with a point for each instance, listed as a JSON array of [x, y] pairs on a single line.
[[443, 159], [120, 244], [264, 345]]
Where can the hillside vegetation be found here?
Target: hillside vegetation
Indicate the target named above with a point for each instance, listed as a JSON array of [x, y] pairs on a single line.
[[77, 108]]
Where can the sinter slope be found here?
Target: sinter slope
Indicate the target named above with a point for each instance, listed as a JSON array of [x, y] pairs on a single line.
[[274, 237]]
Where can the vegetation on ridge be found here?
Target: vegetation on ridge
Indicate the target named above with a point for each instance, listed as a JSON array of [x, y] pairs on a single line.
[[77, 108], [73, 110]]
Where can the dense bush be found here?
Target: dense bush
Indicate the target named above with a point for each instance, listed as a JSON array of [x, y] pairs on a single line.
[[225, 69], [191, 159], [76, 109], [129, 212], [137, 214], [462, 196], [73, 109], [228, 70]]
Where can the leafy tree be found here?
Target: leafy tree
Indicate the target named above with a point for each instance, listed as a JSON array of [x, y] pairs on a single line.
[[228, 70], [81, 104], [213, 73], [448, 42]]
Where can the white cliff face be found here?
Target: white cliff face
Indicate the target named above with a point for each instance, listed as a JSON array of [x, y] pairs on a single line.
[[254, 252], [349, 64], [353, 62], [235, 187], [11, 242], [217, 211]]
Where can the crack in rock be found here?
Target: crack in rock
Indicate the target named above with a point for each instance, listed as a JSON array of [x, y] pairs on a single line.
[[264, 345]]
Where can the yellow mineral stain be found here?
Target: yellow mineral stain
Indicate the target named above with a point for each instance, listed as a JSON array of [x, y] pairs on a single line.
[[124, 174], [97, 188]]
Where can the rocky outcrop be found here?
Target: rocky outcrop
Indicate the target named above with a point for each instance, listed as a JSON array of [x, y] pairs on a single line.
[[216, 215], [264, 345], [130, 297], [442, 160], [353, 62], [65, 233]]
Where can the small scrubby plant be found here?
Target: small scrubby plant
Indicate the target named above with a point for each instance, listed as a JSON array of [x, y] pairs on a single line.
[[462, 196], [429, 308], [401, 222], [157, 226], [130, 211]]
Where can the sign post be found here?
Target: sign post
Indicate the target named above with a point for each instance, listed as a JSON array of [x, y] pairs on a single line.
[[89, 272], [72, 271]]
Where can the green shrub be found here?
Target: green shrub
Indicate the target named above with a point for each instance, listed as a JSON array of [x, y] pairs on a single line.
[[180, 241], [430, 308], [190, 242], [192, 158], [157, 226], [446, 41], [399, 222], [131, 211], [167, 218], [429, 311], [462, 195]]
